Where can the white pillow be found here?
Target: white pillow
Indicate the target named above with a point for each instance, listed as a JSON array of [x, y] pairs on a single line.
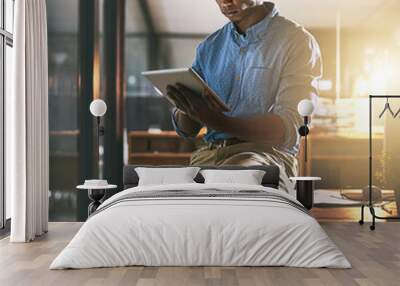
[[166, 176], [247, 177]]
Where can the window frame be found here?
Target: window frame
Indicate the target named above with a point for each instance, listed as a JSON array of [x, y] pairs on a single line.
[[6, 39]]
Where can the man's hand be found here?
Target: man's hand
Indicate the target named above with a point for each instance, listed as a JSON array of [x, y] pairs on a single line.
[[193, 104], [180, 101], [259, 128]]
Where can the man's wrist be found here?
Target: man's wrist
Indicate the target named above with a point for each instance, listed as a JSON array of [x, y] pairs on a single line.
[[180, 114], [218, 121], [184, 122], [189, 116]]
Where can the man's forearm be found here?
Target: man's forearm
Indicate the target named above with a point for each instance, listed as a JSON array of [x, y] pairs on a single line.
[[263, 128], [185, 124]]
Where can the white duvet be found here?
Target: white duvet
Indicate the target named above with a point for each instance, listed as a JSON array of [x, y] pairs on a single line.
[[200, 231]]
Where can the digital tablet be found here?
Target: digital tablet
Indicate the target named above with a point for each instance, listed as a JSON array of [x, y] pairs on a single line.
[[186, 76]]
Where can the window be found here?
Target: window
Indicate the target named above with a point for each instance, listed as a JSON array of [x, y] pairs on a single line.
[[63, 32], [6, 65]]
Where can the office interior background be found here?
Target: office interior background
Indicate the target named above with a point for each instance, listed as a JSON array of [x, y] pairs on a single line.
[[98, 49]]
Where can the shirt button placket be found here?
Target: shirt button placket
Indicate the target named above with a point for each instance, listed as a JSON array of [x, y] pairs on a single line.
[[242, 51]]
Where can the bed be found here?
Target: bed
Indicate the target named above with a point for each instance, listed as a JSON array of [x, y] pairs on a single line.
[[198, 224]]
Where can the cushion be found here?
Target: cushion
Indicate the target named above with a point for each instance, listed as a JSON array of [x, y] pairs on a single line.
[[163, 176], [271, 177], [247, 177]]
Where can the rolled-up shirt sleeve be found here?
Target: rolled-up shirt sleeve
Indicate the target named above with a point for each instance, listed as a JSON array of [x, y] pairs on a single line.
[[178, 130], [298, 81]]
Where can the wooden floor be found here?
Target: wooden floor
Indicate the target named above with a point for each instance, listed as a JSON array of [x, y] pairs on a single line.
[[375, 257]]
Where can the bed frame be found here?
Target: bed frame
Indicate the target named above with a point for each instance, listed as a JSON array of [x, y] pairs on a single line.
[[270, 179]]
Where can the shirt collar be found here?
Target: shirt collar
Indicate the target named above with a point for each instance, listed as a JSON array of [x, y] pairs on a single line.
[[258, 30]]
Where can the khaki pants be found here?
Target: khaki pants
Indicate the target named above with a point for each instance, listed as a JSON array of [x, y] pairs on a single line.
[[249, 154]]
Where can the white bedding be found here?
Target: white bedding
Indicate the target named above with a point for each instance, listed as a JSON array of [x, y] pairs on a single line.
[[200, 231]]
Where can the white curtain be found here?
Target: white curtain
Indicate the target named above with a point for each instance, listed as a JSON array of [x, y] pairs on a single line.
[[27, 124]]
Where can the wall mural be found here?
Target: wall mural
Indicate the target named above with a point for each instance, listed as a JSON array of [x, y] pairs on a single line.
[[233, 98]]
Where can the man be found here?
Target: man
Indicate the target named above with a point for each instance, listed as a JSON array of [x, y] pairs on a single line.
[[261, 65]]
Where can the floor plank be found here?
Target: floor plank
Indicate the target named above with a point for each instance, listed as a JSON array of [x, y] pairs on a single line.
[[375, 257]]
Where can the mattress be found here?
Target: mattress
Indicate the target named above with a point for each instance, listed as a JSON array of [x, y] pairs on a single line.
[[201, 225]]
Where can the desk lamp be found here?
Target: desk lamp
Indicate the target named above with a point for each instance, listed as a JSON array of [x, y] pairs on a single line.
[[98, 108], [305, 109], [305, 185]]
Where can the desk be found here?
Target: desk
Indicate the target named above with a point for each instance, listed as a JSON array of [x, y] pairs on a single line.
[[341, 159], [159, 148]]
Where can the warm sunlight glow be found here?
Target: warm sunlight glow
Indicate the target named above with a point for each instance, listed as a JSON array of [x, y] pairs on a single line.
[[361, 87], [325, 85], [379, 74], [353, 115], [361, 123]]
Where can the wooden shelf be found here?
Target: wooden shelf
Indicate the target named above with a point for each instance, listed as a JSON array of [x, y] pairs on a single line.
[[159, 158], [158, 148], [325, 136], [342, 157], [150, 135], [66, 133], [160, 155]]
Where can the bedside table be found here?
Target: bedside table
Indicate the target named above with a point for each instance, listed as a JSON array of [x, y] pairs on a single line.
[[305, 190], [96, 195]]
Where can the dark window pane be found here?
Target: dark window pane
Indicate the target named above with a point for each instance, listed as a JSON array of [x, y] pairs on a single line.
[[62, 17]]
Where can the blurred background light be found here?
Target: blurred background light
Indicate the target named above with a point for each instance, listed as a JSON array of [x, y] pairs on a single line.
[[325, 85]]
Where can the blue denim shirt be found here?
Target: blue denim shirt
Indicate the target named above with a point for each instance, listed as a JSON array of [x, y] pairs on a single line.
[[270, 68]]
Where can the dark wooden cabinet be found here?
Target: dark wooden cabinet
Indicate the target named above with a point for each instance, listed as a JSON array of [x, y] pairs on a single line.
[[159, 148], [342, 159]]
